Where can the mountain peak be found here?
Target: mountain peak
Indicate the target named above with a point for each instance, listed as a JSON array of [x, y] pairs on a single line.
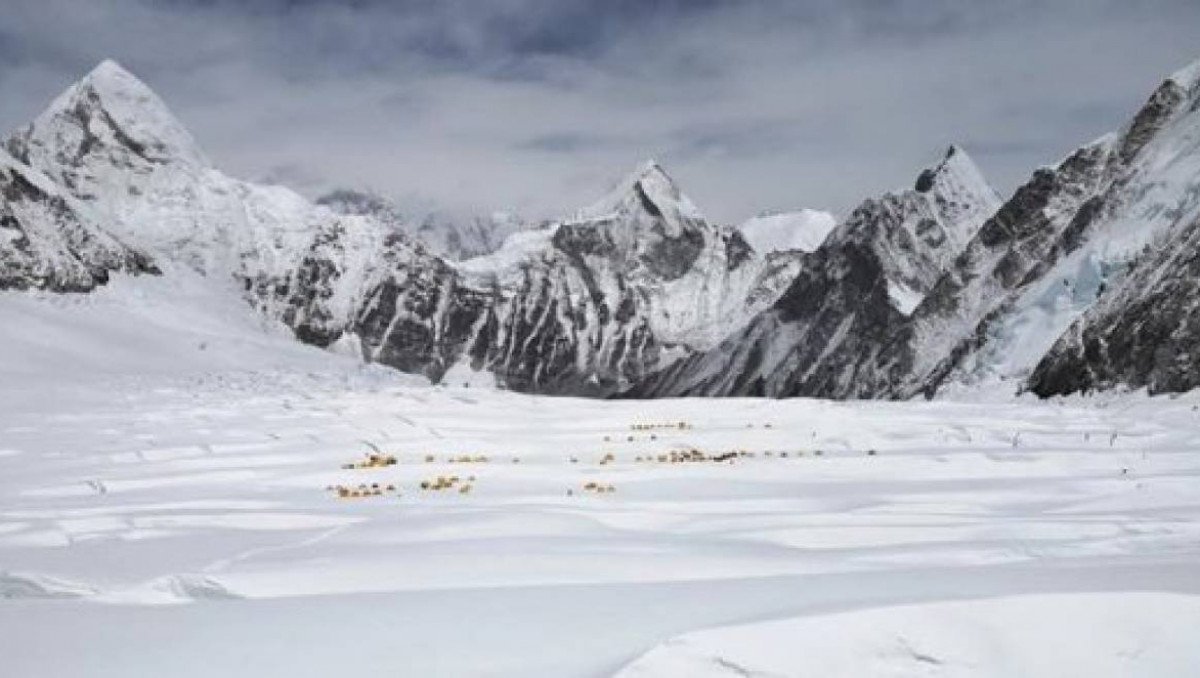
[[110, 110], [647, 189], [109, 71], [1187, 77], [957, 175], [648, 168]]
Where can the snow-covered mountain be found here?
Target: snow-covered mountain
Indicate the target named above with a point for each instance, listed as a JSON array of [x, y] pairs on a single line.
[[1087, 273], [1083, 279], [585, 305], [460, 238], [352, 202], [847, 297], [114, 145], [588, 305], [624, 287]]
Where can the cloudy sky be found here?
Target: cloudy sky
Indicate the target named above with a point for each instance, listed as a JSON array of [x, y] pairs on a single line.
[[539, 105]]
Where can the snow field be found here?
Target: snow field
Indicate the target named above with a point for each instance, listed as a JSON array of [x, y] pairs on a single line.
[[142, 510]]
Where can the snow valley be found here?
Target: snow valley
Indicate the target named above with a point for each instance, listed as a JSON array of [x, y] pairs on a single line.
[[244, 433]]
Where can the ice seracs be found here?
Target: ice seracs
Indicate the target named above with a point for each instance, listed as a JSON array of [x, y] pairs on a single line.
[[1127, 282]]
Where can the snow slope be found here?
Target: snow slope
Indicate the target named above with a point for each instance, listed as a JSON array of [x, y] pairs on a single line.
[[1103, 635], [178, 325], [804, 230]]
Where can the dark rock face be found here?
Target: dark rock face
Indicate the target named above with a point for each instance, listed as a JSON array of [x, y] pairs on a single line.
[[1010, 251], [563, 331], [411, 311], [1145, 333]]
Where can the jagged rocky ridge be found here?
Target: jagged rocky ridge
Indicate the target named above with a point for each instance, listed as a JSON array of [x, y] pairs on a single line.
[[1144, 331], [592, 304], [585, 306], [848, 296], [1063, 244], [1090, 233]]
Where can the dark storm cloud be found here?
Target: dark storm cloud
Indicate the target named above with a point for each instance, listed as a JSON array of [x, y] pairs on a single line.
[[539, 104]]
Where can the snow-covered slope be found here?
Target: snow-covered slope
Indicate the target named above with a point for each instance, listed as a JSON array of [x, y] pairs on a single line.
[[804, 230], [177, 326], [1100, 635], [848, 297], [49, 240]]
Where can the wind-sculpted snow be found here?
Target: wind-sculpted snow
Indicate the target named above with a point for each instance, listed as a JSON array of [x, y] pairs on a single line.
[[225, 496], [1033, 636]]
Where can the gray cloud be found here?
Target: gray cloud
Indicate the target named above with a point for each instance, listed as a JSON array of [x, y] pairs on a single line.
[[538, 105]]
